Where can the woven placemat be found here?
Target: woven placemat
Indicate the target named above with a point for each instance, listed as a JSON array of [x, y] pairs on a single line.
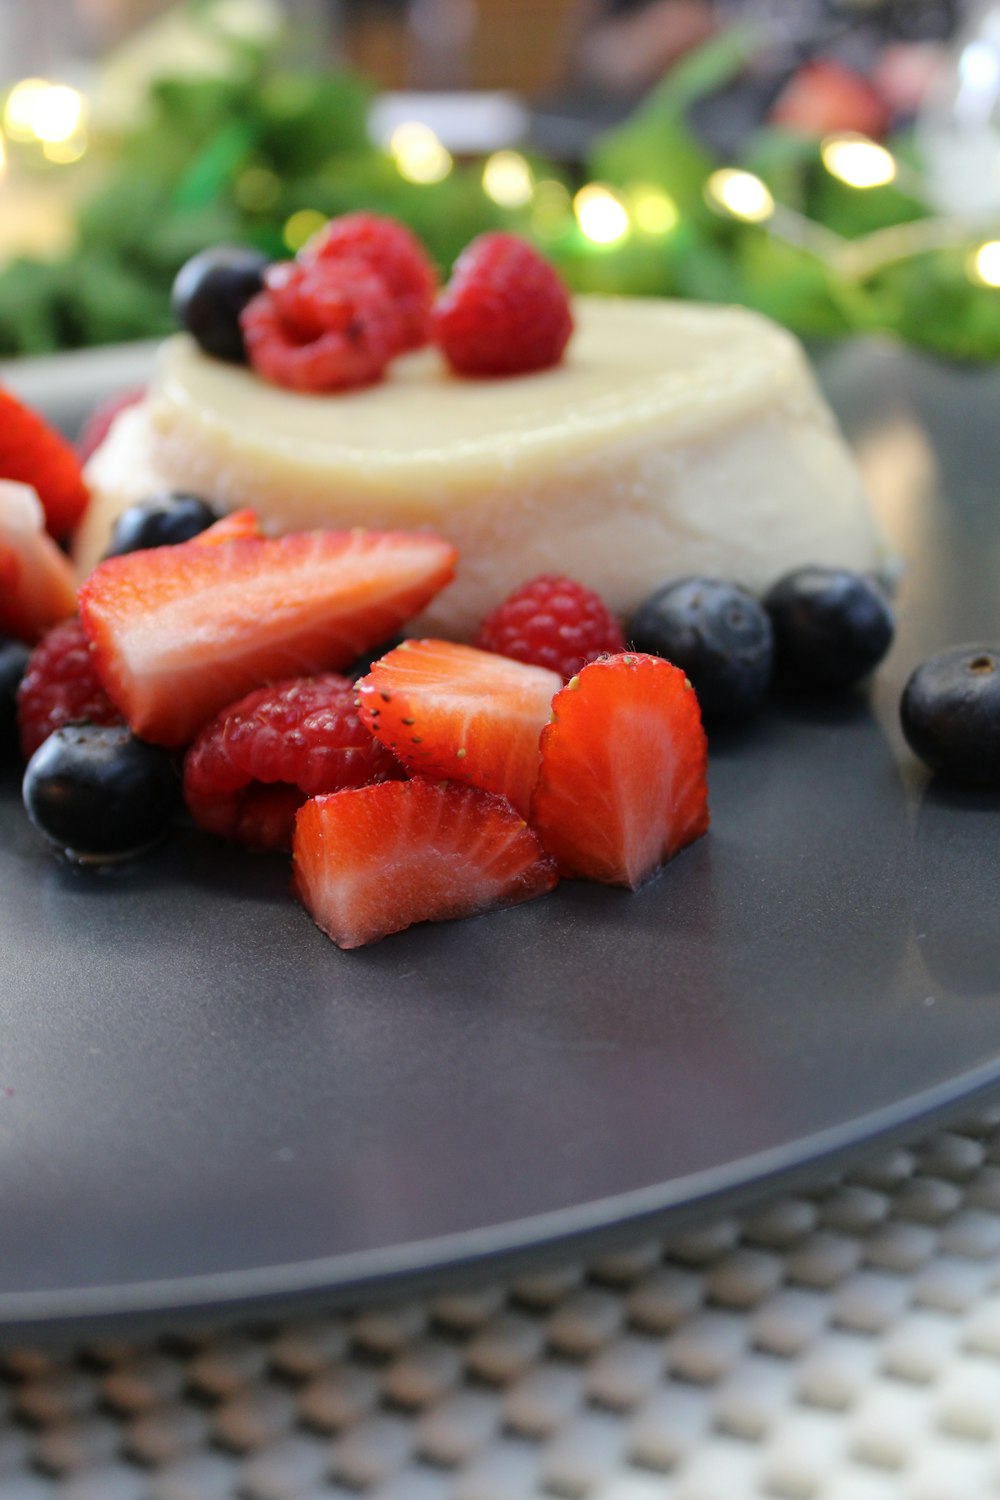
[[839, 1344]]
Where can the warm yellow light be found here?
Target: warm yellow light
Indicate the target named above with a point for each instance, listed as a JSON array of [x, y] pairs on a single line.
[[984, 264], [301, 227], [3, 156], [741, 194], [550, 208], [653, 210], [418, 154], [19, 111], [859, 162], [602, 216], [64, 153], [507, 179], [57, 113]]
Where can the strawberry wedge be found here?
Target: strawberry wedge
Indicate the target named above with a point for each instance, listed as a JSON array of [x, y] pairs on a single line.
[[37, 584], [456, 711], [179, 632], [622, 786], [377, 860]]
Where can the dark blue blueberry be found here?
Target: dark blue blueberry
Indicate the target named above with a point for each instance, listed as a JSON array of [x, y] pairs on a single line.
[[97, 793], [13, 660], [950, 712], [161, 521], [210, 292], [831, 626], [718, 634]]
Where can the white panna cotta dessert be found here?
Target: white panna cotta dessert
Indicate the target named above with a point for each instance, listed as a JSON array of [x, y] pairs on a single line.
[[673, 439]]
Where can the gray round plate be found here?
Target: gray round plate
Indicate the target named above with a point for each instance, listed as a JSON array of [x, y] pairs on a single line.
[[205, 1105]]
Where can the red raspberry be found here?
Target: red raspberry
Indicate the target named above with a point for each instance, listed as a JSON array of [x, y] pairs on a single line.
[[389, 249], [326, 326], [504, 311], [552, 622], [60, 686], [253, 766]]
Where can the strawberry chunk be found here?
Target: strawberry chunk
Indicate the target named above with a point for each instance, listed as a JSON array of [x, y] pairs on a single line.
[[33, 453], [455, 711], [231, 528], [37, 583], [622, 786], [375, 861], [253, 766], [179, 632]]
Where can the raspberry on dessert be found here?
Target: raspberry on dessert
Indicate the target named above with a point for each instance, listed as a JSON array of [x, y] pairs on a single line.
[[622, 784], [395, 254], [504, 311], [37, 582], [252, 767], [454, 711], [33, 453], [552, 622], [60, 686], [98, 424], [374, 861], [179, 632], [328, 325]]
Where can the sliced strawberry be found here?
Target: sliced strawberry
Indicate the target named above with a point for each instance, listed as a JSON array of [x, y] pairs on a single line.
[[37, 583], [32, 452], [622, 783], [455, 711], [375, 861], [231, 528], [179, 632]]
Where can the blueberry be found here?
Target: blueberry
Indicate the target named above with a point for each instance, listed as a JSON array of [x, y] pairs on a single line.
[[210, 292], [831, 626], [98, 793], [950, 712], [13, 660], [161, 521], [718, 634]]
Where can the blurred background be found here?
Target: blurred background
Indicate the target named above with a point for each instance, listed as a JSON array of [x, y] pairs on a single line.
[[834, 163]]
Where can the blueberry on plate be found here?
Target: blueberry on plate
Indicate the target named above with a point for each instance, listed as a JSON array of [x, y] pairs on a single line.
[[831, 626], [161, 521], [717, 634], [99, 794], [950, 713], [210, 292], [13, 660]]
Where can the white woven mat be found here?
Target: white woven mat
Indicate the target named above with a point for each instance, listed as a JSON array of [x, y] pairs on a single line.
[[839, 1344]]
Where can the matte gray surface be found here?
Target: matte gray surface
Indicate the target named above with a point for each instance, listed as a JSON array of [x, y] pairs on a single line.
[[202, 1101]]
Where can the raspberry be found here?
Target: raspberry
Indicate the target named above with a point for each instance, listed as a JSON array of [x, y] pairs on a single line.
[[325, 326], [392, 252], [504, 312], [60, 686], [252, 767], [552, 622]]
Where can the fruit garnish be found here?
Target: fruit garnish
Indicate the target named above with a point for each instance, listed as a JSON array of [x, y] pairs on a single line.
[[161, 521], [553, 622], [98, 424], [622, 785], [395, 254], [329, 325], [60, 686], [210, 292], [504, 311], [451, 710], [232, 528], [950, 713], [252, 767], [831, 626], [375, 861], [718, 634], [180, 632], [33, 453], [97, 793], [37, 582], [13, 660]]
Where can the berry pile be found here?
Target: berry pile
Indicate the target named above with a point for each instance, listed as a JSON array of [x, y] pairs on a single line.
[[363, 291]]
